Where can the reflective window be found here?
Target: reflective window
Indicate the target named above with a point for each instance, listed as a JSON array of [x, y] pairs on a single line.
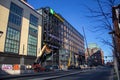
[[15, 19], [13, 32], [15, 15], [33, 27], [33, 20], [12, 41], [32, 45], [33, 32]]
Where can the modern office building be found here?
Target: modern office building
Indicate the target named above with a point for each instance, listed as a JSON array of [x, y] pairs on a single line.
[[62, 37], [22, 28], [25, 31]]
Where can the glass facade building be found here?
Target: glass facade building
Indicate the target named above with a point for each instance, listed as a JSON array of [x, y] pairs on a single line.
[[12, 41], [14, 27], [27, 30], [62, 37], [32, 38], [22, 33], [51, 33]]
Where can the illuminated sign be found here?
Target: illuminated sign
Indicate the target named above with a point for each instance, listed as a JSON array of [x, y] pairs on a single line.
[[53, 13]]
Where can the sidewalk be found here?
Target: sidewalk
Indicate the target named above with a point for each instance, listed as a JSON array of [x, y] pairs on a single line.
[[22, 74], [8, 73], [115, 76]]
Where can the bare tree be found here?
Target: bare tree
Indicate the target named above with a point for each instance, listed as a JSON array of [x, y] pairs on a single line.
[[103, 15]]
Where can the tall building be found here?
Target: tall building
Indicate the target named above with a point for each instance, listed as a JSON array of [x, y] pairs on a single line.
[[25, 31], [51, 33], [22, 27], [94, 55], [62, 37]]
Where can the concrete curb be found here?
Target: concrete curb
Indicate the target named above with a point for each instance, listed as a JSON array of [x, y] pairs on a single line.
[[8, 76], [36, 74]]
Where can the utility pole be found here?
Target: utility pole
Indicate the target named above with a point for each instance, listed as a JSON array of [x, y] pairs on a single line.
[[116, 37]]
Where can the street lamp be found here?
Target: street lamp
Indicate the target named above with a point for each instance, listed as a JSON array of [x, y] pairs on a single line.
[[1, 33]]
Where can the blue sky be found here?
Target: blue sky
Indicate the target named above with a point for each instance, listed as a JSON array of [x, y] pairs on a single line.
[[74, 11]]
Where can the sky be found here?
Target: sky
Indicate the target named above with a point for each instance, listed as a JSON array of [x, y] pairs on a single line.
[[75, 12]]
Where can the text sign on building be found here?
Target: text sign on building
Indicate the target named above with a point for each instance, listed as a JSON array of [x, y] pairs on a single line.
[[7, 67], [56, 15]]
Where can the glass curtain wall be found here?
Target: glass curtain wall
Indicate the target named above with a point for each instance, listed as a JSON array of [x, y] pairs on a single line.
[[32, 37], [14, 27]]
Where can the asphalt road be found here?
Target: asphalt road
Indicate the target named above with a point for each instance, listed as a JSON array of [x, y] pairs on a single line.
[[93, 74], [101, 74]]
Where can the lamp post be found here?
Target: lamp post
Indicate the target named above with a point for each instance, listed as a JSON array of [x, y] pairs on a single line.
[[1, 33]]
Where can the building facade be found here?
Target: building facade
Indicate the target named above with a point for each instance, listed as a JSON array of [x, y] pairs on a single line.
[[62, 37], [26, 30], [22, 28], [94, 55]]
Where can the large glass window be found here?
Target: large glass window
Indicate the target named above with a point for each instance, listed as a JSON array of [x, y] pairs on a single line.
[[32, 45], [15, 19], [12, 41], [32, 39], [13, 30], [33, 20], [15, 15], [33, 27]]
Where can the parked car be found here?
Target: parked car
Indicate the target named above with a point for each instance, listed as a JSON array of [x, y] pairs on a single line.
[[49, 68], [56, 68], [52, 68]]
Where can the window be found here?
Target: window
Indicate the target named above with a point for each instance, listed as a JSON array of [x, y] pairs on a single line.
[[15, 19], [16, 9], [33, 32], [32, 45], [33, 27], [13, 32], [33, 20], [12, 41], [15, 15]]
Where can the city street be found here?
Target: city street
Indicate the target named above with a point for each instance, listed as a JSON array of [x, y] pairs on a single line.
[[89, 74], [59, 40], [102, 74]]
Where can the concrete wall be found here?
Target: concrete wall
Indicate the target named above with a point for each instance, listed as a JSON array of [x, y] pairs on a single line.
[[4, 13]]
